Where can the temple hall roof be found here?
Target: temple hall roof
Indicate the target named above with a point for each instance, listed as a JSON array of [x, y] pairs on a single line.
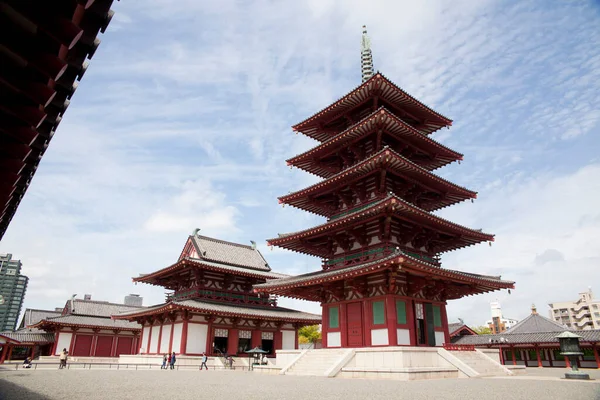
[[96, 308], [33, 316], [27, 336], [221, 251], [265, 313], [536, 323], [88, 322]]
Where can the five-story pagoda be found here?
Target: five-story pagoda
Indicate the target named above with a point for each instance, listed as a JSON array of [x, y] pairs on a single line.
[[381, 282]]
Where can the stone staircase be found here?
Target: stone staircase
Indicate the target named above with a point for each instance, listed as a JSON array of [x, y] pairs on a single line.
[[481, 363], [316, 362]]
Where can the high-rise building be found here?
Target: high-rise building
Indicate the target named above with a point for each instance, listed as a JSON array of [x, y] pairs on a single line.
[[581, 314], [134, 300], [12, 290], [498, 323]]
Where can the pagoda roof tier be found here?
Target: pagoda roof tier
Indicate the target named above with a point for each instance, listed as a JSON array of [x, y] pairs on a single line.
[[395, 206], [379, 119], [186, 265], [387, 159], [475, 283], [220, 309], [377, 86]]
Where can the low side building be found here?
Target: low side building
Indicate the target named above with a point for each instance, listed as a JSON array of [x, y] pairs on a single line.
[[532, 342], [459, 329], [85, 329], [27, 342]]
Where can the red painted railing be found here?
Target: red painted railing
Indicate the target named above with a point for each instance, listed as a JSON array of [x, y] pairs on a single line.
[[459, 347]]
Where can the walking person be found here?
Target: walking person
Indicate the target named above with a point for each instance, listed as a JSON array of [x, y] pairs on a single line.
[[172, 362], [231, 361], [204, 360], [164, 363], [63, 358]]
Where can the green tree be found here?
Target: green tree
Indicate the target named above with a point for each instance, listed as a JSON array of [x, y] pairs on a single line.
[[483, 330], [309, 334]]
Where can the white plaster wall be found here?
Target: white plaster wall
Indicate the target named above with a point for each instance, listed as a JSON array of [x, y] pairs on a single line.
[[164, 339], [145, 333], [403, 336], [439, 338], [379, 337], [64, 341], [177, 329], [288, 340], [334, 339], [154, 339], [196, 338]]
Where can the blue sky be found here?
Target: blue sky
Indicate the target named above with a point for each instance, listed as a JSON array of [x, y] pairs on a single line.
[[183, 120]]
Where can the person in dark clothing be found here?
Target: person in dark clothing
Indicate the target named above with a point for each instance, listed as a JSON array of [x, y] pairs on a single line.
[[172, 362]]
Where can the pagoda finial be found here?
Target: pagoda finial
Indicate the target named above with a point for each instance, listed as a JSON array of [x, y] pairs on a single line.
[[533, 309], [366, 58]]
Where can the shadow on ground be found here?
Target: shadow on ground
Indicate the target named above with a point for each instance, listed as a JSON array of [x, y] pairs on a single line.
[[12, 391]]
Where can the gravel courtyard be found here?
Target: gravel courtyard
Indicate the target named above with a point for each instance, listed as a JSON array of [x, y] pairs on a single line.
[[175, 385]]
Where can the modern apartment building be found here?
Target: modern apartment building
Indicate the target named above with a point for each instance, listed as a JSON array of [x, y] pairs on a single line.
[[498, 323], [582, 314], [12, 291]]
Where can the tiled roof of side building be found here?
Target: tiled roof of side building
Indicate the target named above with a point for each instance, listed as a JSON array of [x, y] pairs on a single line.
[[33, 316], [453, 327], [86, 321], [236, 254], [98, 308], [535, 323], [590, 336], [269, 313], [29, 336]]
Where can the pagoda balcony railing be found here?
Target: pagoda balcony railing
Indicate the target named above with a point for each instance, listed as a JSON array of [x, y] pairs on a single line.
[[351, 210], [377, 252], [223, 295]]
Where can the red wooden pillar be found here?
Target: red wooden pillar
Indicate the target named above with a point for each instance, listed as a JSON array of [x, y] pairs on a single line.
[[296, 345], [133, 344], [513, 356], [32, 352], [567, 362], [343, 320], [73, 339], [596, 355], [184, 333], [210, 335], [113, 345], [159, 338], [412, 321], [391, 319], [539, 359], [149, 337], [278, 338], [256, 340], [10, 349], [367, 322], [324, 325], [501, 356], [171, 337], [445, 325], [94, 344], [4, 353], [55, 343], [232, 341]]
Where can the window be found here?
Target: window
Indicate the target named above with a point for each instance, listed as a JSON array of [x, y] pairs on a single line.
[[334, 317], [378, 313], [437, 317], [401, 311]]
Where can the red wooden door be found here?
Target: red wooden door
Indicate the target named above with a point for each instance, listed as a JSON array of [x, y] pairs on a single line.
[[355, 324], [83, 345], [124, 345], [104, 346]]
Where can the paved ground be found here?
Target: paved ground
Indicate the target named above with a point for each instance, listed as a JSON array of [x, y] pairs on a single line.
[[176, 385]]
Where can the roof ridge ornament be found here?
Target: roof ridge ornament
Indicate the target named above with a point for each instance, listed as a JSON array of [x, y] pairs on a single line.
[[366, 57]]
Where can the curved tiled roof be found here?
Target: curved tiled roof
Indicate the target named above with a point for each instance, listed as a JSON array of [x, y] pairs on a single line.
[[379, 119], [536, 323], [265, 313], [386, 90], [96, 308], [589, 336], [474, 236], [88, 322], [33, 316], [386, 158], [221, 251], [27, 336]]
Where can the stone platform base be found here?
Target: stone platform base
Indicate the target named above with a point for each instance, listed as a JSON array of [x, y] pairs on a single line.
[[576, 375]]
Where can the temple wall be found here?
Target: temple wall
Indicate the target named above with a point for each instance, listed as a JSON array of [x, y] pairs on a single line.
[[64, 342], [196, 338], [165, 338], [177, 329]]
